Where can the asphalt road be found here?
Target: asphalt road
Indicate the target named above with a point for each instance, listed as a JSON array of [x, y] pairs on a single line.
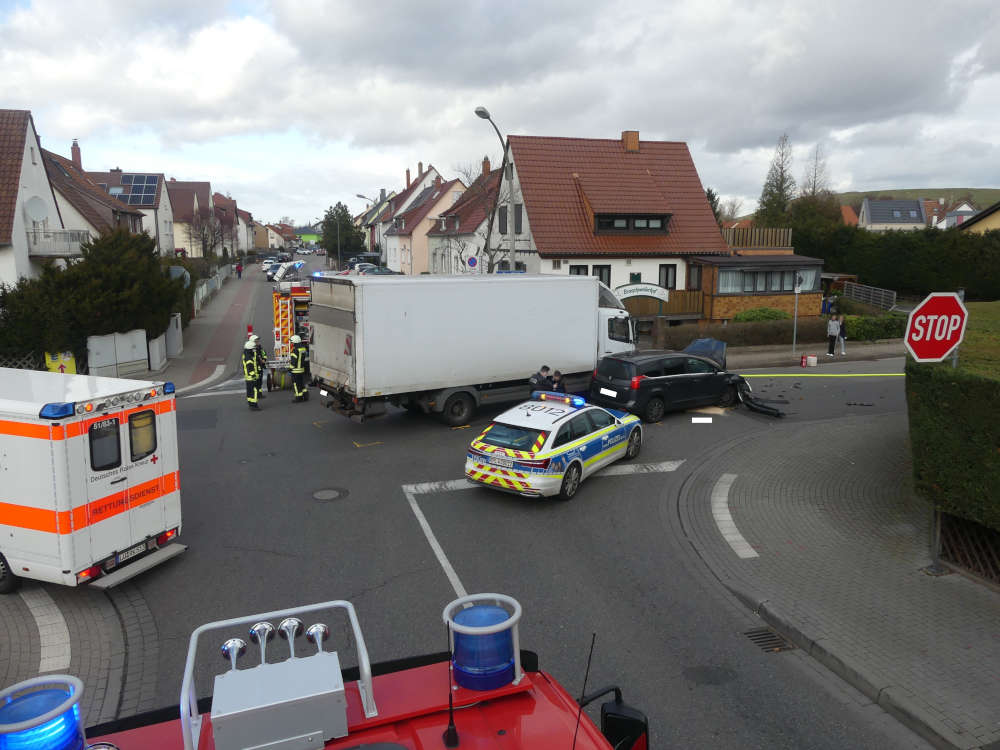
[[614, 561]]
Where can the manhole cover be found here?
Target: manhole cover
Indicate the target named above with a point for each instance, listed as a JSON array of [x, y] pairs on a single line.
[[331, 493]]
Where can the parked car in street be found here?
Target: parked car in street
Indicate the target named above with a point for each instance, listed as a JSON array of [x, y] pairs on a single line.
[[376, 271], [266, 263], [652, 382]]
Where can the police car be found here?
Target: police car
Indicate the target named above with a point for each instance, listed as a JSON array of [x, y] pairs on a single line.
[[548, 445]]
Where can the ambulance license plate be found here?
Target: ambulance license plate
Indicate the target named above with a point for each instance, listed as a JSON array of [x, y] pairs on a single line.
[[132, 552], [507, 463], [607, 392]]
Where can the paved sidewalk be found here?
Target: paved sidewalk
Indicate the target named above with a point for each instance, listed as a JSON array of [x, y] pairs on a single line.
[[841, 540], [749, 357]]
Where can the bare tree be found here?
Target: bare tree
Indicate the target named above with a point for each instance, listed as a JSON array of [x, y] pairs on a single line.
[[204, 233], [479, 191], [816, 181], [730, 208]]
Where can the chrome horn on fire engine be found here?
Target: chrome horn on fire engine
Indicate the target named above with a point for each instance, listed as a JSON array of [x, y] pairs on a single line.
[[261, 633], [233, 649], [316, 634], [290, 628]]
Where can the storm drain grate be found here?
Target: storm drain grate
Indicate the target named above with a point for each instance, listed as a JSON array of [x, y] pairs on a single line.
[[767, 640]]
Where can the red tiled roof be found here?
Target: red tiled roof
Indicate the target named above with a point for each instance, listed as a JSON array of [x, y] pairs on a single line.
[[417, 212], [225, 209], [245, 215], [181, 203], [202, 189], [400, 198], [738, 223], [849, 216], [13, 131], [95, 205], [934, 210], [564, 181], [474, 206]]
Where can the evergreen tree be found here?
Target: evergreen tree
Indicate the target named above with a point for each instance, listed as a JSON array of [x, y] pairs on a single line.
[[340, 232], [779, 187], [713, 201]]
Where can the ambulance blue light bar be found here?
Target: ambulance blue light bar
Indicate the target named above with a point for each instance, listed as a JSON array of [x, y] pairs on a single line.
[[57, 411], [574, 401], [168, 387]]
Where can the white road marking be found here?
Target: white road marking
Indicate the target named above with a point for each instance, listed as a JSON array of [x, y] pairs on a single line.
[[701, 420], [432, 540], [620, 470], [220, 370], [427, 487], [228, 392], [724, 520], [52, 631]]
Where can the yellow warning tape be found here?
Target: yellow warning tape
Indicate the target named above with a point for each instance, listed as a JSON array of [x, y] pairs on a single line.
[[826, 375]]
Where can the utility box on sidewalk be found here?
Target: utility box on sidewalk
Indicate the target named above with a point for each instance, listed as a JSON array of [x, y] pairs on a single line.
[[158, 353], [118, 355], [175, 336]]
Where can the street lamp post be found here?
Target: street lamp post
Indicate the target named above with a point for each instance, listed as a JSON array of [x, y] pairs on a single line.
[[485, 114]]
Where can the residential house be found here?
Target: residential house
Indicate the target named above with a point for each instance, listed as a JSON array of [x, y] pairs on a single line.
[[849, 216], [459, 234], [275, 240], [244, 231], [985, 221], [369, 224], [409, 228], [260, 237], [287, 233], [145, 191], [392, 250], [934, 212], [888, 215], [83, 205], [958, 214], [224, 208], [31, 227], [197, 230]]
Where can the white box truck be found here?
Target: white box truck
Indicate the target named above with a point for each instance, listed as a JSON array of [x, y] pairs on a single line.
[[447, 344], [89, 478]]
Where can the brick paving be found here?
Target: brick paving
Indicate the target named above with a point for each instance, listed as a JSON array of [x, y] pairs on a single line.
[[842, 539]]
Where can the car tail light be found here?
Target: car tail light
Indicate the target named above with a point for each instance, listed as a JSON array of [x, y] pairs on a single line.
[[85, 575], [534, 463], [634, 385], [165, 537], [595, 373]]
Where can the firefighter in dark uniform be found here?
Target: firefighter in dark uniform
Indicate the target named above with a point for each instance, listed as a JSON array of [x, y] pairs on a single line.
[[251, 374], [261, 363], [299, 358]]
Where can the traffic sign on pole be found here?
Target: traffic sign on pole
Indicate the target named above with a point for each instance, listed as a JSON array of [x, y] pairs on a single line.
[[935, 327]]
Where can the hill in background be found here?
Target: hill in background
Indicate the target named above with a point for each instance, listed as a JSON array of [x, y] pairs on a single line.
[[980, 197]]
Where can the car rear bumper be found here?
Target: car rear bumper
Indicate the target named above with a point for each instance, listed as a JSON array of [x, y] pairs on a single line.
[[511, 480], [595, 397]]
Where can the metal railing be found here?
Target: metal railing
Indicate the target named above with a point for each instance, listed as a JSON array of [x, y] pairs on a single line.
[[870, 295], [56, 243]]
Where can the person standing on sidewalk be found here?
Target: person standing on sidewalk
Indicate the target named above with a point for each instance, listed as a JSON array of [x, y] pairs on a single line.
[[842, 336], [832, 331], [239, 270], [298, 366], [251, 374]]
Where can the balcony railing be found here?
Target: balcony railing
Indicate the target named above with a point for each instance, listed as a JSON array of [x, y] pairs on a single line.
[[56, 243], [682, 302]]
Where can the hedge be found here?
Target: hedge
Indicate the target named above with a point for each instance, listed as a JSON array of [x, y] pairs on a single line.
[[955, 439], [773, 332], [760, 313]]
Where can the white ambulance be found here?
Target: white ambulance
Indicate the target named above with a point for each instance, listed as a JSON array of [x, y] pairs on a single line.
[[89, 487]]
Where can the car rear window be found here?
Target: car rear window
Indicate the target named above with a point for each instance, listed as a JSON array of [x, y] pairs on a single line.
[[509, 436], [615, 368]]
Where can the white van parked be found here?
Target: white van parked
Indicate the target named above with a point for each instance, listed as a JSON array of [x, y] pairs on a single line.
[[89, 470]]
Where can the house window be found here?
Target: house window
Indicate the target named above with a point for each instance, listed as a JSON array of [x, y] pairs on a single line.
[[694, 277], [656, 223], [502, 220], [788, 281], [641, 224], [518, 223], [774, 281], [635, 278], [668, 275], [730, 282], [603, 273], [33, 160], [577, 270], [612, 223], [896, 214], [913, 214], [556, 265], [115, 191], [635, 224]]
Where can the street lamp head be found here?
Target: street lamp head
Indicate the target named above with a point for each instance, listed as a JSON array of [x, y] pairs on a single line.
[[483, 112], [363, 197]]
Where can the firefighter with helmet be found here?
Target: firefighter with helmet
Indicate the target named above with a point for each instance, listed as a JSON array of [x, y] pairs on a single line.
[[261, 363], [299, 358], [251, 374]]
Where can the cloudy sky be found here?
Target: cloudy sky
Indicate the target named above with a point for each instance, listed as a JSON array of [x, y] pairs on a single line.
[[292, 105]]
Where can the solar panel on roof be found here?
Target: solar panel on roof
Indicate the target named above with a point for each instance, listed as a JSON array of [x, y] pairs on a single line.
[[148, 200], [150, 189], [126, 179], [134, 199], [151, 179]]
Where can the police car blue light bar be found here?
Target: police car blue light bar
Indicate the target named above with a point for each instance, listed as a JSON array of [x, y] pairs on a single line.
[[562, 398]]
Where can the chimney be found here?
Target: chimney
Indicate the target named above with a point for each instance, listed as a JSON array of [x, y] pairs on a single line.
[[407, 177], [437, 181], [420, 168], [381, 196], [630, 139], [116, 170], [486, 165], [74, 151]]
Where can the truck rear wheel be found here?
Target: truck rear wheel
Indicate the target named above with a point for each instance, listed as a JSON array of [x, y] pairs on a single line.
[[8, 581], [458, 409]]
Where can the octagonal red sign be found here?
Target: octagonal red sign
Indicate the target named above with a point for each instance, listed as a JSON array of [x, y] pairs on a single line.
[[936, 326]]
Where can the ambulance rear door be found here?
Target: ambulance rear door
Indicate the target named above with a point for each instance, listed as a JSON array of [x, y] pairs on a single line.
[[143, 456], [107, 485]]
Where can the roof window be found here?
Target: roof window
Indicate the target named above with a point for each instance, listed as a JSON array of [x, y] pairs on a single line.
[[610, 223]]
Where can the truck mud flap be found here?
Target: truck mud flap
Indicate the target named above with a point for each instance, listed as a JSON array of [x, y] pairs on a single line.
[[139, 566]]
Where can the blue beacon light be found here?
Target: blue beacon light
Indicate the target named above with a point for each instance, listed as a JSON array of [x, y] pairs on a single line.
[[42, 713], [485, 648]]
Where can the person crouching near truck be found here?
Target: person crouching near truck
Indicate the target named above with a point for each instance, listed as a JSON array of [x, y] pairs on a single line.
[[251, 374], [299, 359]]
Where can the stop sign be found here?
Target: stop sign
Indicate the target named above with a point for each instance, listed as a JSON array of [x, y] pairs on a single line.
[[936, 326]]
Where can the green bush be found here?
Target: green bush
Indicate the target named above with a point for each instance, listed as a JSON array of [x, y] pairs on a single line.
[[760, 313], [775, 332], [954, 434], [868, 328]]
